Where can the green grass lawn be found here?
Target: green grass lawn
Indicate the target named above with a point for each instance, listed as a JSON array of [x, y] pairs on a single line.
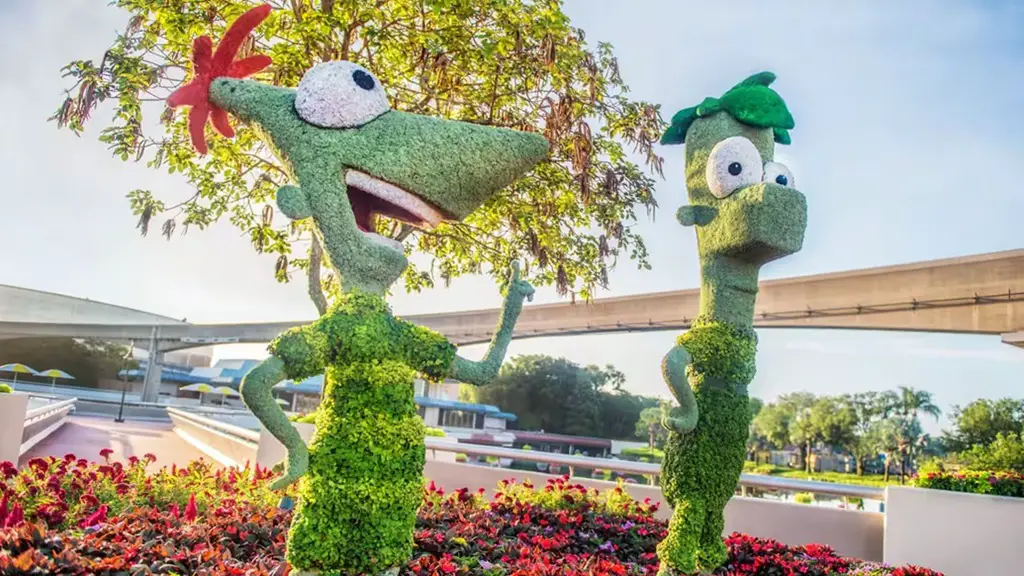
[[837, 477]]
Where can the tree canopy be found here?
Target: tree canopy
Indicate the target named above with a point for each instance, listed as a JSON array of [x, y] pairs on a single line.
[[562, 397], [981, 421], [512, 63]]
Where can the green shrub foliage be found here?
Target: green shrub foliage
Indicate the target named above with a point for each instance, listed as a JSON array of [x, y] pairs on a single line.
[[357, 504]]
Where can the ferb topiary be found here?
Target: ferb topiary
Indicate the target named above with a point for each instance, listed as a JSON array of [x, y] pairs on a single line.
[[747, 213], [352, 158]]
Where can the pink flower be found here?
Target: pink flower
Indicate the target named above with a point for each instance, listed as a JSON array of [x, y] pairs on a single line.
[[97, 517]]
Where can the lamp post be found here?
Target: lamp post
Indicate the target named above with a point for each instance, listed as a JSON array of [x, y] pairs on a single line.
[[124, 388]]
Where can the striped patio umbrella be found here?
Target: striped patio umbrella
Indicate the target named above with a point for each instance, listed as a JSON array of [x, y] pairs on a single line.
[[17, 368], [201, 387], [53, 374]]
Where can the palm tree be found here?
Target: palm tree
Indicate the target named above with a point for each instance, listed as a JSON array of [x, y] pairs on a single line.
[[910, 402], [907, 403]]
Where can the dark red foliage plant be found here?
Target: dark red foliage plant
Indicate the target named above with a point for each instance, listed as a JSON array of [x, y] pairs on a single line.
[[561, 529]]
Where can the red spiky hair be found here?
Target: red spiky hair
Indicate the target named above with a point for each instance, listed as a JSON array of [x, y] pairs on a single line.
[[209, 65]]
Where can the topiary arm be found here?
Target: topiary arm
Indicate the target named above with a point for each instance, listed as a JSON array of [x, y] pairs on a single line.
[[256, 393], [482, 372], [673, 369], [298, 354]]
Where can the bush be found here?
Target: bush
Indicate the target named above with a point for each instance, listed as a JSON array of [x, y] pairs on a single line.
[[436, 432], [974, 482], [304, 418], [803, 498], [5, 389], [1005, 453], [645, 454], [765, 469]]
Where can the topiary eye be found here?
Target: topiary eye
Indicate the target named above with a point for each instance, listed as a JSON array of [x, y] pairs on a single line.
[[733, 164], [363, 80], [339, 94], [778, 173]]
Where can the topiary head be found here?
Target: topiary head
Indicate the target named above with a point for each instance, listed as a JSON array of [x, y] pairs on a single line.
[[743, 203], [354, 158]]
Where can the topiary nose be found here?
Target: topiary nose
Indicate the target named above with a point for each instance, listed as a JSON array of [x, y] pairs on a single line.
[[454, 165]]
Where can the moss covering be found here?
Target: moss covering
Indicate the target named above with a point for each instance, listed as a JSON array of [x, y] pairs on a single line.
[[712, 364], [357, 504]]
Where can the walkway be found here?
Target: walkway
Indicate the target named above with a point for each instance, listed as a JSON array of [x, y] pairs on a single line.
[[85, 436]]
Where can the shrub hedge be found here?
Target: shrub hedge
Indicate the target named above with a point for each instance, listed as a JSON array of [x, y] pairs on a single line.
[[993, 483]]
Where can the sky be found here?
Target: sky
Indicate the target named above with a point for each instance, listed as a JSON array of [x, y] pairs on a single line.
[[908, 141]]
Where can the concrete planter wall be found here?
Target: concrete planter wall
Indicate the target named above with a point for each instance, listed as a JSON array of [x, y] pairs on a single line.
[[12, 424], [271, 452], [443, 456], [954, 533]]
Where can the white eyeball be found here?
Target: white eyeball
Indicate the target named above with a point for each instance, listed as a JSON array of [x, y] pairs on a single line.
[[733, 164], [339, 94], [778, 173]]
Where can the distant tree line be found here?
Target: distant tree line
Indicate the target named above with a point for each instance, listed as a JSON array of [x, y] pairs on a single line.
[[862, 425], [88, 360], [562, 397]]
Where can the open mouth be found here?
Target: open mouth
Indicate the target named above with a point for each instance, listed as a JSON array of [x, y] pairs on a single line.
[[371, 197]]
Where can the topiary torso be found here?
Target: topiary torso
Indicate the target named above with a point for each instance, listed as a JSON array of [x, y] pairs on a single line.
[[357, 504], [713, 453], [701, 466]]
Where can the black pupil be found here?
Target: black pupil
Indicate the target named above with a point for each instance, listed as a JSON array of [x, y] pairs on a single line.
[[735, 168], [363, 80], [781, 180]]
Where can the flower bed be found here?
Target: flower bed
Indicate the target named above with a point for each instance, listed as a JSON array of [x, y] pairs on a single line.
[[992, 483], [192, 521]]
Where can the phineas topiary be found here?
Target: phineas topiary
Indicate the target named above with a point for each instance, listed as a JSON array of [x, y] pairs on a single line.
[[352, 158]]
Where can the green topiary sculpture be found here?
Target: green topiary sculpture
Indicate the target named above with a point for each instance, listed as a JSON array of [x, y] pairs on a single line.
[[354, 158], [747, 213]]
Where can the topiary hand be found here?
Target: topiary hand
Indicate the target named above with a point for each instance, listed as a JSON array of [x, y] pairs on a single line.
[[482, 372], [518, 289], [298, 463]]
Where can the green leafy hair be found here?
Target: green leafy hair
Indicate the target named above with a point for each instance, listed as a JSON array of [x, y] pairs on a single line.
[[751, 102]]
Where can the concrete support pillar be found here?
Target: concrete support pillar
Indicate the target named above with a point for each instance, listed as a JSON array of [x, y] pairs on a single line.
[[151, 382]]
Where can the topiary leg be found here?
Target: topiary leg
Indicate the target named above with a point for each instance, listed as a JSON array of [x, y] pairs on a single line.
[[713, 552], [678, 551]]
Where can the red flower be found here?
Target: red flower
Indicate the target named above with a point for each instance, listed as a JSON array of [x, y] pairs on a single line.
[[208, 66], [191, 510], [105, 454]]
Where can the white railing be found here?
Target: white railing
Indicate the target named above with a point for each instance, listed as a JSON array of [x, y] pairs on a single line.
[[44, 412], [49, 417], [757, 481], [748, 481], [244, 434]]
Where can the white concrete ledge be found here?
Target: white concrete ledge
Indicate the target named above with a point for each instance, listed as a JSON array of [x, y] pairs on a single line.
[[954, 533]]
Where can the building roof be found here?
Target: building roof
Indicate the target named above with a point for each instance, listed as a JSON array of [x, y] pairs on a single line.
[[541, 437], [231, 372]]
